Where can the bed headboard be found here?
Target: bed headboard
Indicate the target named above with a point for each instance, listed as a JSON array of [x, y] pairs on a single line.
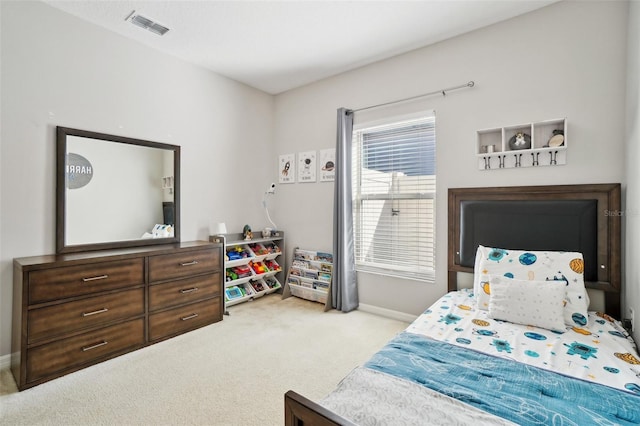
[[583, 218]]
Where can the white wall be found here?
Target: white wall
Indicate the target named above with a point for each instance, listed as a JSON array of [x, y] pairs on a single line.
[[59, 70], [565, 60], [632, 137]]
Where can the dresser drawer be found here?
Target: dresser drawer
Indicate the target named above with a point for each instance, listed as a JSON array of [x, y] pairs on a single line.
[[186, 264], [184, 318], [66, 317], [182, 291], [63, 354], [69, 281]]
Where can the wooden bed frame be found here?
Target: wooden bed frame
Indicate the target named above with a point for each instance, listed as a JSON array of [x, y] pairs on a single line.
[[300, 411], [608, 228]]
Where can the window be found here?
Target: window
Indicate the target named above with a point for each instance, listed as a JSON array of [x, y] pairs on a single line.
[[394, 186]]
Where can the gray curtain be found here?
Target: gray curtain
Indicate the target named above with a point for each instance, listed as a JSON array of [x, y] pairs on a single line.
[[344, 290]]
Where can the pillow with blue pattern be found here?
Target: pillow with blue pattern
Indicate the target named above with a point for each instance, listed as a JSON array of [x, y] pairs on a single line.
[[567, 267]]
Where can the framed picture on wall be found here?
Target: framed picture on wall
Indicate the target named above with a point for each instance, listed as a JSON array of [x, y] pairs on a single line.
[[327, 165], [307, 166], [287, 168]]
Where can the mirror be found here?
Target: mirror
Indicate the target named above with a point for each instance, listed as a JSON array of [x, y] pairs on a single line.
[[114, 191]]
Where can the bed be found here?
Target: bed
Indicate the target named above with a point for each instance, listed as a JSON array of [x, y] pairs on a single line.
[[519, 345]]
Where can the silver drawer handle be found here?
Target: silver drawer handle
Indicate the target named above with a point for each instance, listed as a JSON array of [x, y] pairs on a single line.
[[189, 317], [97, 345], [188, 290], [193, 262], [99, 277], [99, 311]]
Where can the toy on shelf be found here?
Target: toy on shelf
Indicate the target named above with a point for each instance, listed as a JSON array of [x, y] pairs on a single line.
[[272, 282], [257, 285], [234, 292], [520, 140], [243, 271], [258, 267], [271, 248], [237, 253], [246, 232], [237, 272], [230, 275], [258, 249], [272, 265]]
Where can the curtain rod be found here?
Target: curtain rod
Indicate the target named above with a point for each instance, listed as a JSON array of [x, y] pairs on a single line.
[[437, 92]]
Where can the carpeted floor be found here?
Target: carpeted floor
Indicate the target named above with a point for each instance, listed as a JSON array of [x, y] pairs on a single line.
[[231, 373]]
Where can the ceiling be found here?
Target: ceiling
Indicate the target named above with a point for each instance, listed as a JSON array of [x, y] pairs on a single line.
[[276, 46]]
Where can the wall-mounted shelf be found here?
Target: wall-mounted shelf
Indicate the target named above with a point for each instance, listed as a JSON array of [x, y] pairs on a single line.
[[544, 143], [253, 267]]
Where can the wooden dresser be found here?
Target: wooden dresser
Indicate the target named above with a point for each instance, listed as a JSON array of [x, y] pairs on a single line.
[[74, 310]]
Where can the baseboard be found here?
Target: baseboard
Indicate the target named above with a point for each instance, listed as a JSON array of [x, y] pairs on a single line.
[[387, 313], [5, 361]]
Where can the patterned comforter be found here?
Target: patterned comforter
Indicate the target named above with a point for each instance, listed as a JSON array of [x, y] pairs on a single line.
[[601, 351], [474, 364]]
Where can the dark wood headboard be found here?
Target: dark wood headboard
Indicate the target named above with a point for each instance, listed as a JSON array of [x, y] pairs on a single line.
[[593, 211]]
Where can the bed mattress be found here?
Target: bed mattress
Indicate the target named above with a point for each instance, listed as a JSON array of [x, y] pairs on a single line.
[[454, 361], [601, 351]]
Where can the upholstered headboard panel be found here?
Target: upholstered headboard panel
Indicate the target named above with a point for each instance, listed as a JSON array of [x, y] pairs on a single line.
[[563, 225], [583, 218]]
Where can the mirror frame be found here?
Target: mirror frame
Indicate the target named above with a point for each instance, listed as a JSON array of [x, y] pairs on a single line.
[[61, 204]]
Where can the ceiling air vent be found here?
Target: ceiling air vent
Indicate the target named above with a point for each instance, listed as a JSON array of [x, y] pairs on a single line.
[[146, 23]]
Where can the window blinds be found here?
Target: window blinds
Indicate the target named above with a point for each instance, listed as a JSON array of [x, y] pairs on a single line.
[[394, 180]]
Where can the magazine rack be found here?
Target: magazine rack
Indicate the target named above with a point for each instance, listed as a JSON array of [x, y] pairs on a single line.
[[310, 276]]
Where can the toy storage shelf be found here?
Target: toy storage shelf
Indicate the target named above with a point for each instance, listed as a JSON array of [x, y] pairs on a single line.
[[544, 144], [253, 268], [310, 276]]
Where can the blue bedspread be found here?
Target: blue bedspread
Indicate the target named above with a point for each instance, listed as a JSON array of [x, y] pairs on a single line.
[[523, 394]]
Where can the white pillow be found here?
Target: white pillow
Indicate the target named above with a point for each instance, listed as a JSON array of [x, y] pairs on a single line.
[[566, 267], [537, 303]]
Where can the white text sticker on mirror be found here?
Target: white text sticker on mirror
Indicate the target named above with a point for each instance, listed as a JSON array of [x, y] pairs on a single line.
[[79, 171]]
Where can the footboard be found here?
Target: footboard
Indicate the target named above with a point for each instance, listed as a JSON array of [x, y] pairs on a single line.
[[300, 411]]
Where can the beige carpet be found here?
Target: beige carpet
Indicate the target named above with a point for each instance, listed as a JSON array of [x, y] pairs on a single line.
[[231, 373]]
